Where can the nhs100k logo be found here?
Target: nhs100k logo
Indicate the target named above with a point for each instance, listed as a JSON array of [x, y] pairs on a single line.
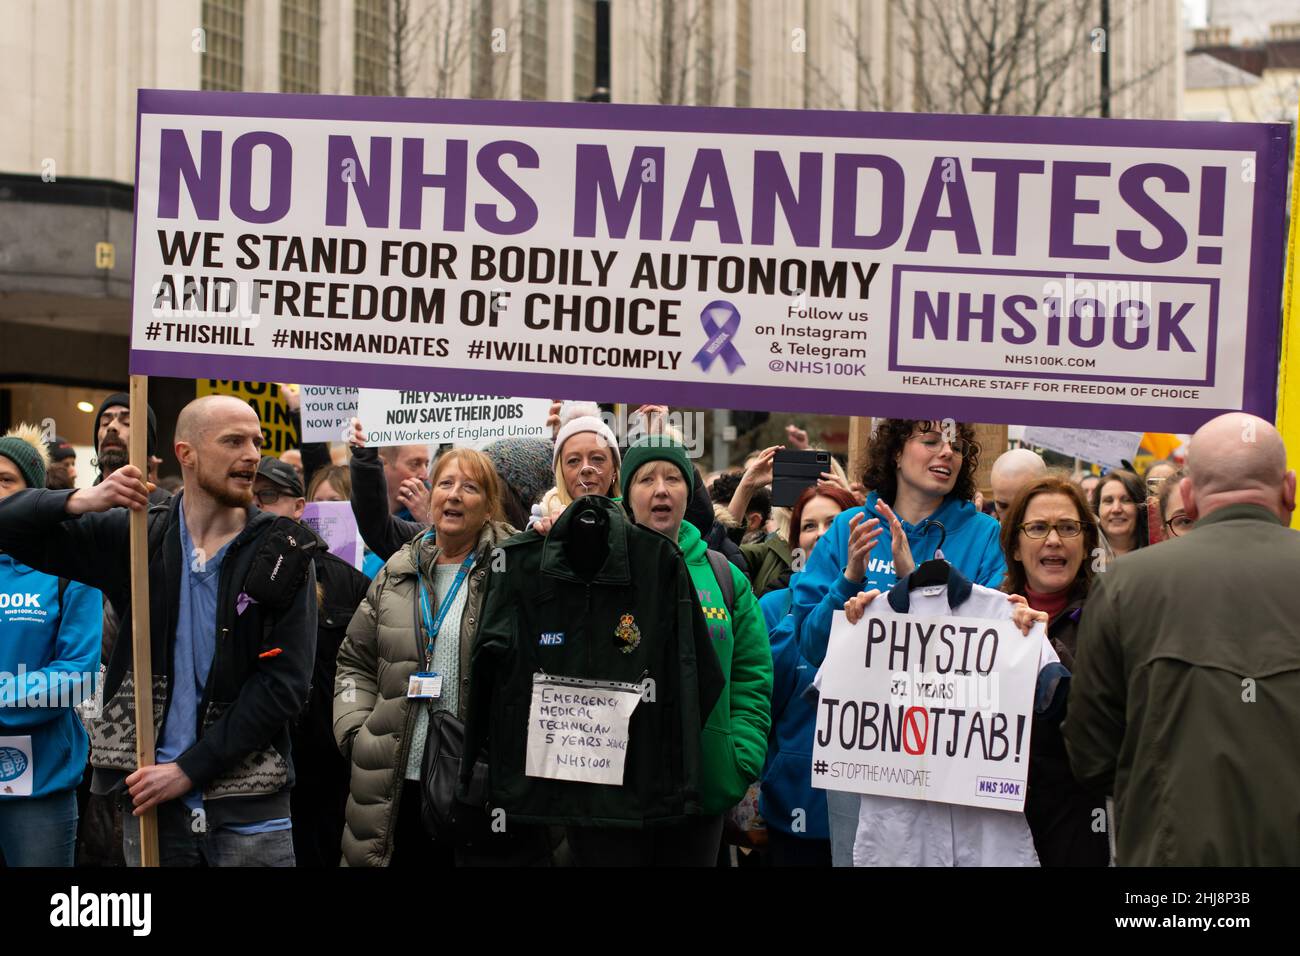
[[1055, 327]]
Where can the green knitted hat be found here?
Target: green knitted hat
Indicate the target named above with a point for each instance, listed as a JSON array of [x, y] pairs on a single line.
[[656, 448], [23, 446]]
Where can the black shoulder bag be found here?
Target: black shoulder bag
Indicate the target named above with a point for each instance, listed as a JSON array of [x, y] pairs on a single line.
[[280, 565], [448, 819]]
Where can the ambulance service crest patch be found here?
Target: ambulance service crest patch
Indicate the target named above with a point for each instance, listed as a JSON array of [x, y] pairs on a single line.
[[627, 634]]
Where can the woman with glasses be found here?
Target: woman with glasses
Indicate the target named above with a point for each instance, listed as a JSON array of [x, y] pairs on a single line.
[[1048, 541], [1173, 515], [922, 476], [1158, 473], [1119, 502]]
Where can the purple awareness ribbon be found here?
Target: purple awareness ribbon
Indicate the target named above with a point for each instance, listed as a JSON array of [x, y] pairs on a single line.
[[721, 322]]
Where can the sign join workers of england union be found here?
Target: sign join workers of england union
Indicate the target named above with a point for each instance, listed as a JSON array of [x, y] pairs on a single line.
[[1073, 272]]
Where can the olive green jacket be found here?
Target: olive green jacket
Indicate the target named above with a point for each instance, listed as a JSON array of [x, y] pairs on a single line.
[[1185, 701], [769, 564]]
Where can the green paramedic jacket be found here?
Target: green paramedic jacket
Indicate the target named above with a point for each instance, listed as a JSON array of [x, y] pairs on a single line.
[[636, 618]]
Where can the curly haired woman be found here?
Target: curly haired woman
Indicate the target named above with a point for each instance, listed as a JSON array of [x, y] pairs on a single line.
[[922, 476]]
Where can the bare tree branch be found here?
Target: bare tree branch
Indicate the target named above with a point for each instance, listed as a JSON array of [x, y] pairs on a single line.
[[681, 49], [985, 56]]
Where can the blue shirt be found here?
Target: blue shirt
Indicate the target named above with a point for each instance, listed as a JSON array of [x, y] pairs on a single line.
[[194, 648]]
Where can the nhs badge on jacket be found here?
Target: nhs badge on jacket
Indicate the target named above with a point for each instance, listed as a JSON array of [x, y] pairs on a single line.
[[551, 638], [627, 636]]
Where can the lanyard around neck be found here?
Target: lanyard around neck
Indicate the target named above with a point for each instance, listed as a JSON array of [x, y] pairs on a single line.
[[433, 624]]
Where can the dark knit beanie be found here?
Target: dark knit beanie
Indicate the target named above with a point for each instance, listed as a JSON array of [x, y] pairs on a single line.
[[124, 400], [655, 448], [524, 464], [23, 446]]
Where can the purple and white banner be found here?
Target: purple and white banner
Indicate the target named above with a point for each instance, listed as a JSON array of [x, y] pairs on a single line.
[[1073, 272]]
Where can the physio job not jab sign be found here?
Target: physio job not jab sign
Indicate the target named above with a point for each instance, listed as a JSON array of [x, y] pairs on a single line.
[[928, 709], [1046, 270]]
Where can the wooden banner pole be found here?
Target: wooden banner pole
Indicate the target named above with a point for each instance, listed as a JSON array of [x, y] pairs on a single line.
[[141, 663], [859, 436]]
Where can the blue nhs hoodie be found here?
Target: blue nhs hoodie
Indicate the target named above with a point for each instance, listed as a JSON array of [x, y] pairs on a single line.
[[971, 547], [55, 651], [787, 775]]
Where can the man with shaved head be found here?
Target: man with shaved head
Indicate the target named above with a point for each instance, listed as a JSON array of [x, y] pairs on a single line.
[[1012, 471], [232, 639], [1185, 702]]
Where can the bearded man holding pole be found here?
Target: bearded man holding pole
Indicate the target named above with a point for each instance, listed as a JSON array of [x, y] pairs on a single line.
[[222, 603]]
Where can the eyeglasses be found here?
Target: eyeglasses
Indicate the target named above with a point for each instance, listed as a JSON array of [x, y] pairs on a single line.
[[934, 443], [1153, 484], [1179, 524], [1068, 528], [269, 496]]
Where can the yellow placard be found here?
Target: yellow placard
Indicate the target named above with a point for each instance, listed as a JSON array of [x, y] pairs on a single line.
[[279, 429], [1288, 399]]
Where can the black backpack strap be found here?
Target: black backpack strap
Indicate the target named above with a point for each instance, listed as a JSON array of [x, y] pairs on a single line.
[[722, 571], [63, 586], [157, 519]]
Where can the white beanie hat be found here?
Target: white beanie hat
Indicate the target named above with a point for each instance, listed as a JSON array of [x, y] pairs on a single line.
[[585, 417]]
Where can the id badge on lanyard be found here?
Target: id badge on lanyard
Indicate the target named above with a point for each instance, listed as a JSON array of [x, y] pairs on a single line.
[[427, 684]]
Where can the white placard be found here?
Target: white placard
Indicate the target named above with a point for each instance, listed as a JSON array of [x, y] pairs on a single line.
[[435, 418], [327, 412], [1091, 444], [578, 729], [927, 708], [16, 773]]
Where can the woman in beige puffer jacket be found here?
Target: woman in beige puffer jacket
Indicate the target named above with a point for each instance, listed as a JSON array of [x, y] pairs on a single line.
[[373, 718]]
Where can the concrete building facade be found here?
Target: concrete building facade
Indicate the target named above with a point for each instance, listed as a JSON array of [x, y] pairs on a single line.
[[70, 70], [894, 55]]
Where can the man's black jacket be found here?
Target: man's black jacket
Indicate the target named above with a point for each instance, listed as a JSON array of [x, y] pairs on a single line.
[[342, 588], [260, 672]]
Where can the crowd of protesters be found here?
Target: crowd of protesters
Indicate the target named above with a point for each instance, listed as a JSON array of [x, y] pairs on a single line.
[[303, 705]]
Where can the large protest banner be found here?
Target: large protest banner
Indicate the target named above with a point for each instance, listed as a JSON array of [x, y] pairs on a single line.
[[928, 709], [1069, 272]]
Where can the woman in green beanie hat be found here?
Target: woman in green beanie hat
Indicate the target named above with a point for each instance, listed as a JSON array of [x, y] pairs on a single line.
[[657, 476]]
